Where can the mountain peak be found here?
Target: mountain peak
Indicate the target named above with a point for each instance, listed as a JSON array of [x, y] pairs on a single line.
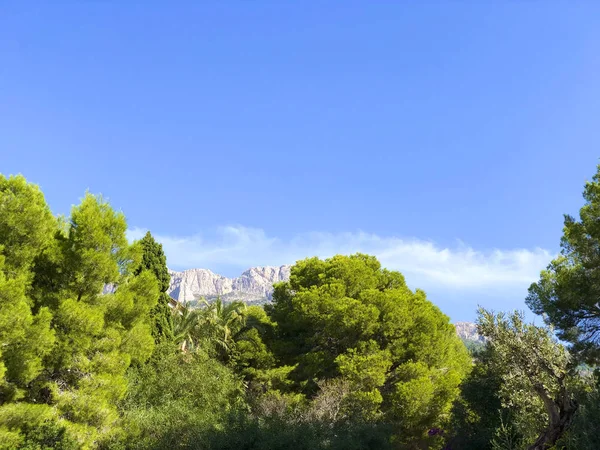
[[255, 285], [468, 331]]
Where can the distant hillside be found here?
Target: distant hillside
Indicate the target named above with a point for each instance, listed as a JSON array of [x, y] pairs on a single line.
[[468, 331], [255, 285]]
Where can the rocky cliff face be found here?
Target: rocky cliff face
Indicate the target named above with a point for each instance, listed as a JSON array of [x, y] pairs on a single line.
[[468, 331], [255, 285]]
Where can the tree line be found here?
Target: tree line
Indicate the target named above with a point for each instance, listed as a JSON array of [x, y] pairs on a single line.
[[345, 357]]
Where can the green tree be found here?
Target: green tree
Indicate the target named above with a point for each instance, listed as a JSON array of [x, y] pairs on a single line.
[[536, 374], [583, 433], [26, 336], [65, 345], [568, 290], [213, 327], [219, 324], [253, 359], [185, 326], [98, 335], [26, 224], [155, 261], [345, 317]]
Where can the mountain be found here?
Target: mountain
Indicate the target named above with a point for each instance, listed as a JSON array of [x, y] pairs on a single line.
[[255, 285], [468, 331]]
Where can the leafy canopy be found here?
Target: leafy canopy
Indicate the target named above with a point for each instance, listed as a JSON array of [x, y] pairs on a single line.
[[346, 317], [568, 290], [536, 373], [65, 345]]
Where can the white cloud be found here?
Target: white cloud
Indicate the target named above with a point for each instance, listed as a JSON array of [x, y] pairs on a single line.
[[424, 263]]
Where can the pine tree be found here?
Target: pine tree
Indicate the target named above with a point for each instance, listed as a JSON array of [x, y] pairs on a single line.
[[25, 335], [65, 345], [346, 317], [568, 290]]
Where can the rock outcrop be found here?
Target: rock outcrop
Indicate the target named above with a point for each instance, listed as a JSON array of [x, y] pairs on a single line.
[[255, 285], [468, 331]]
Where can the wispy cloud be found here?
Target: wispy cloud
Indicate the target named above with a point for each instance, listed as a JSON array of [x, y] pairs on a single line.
[[424, 263]]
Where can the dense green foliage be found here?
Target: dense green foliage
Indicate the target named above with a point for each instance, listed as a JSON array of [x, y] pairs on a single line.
[[155, 261], [65, 346], [535, 371], [178, 398], [345, 357], [477, 414], [568, 291], [346, 318], [525, 392]]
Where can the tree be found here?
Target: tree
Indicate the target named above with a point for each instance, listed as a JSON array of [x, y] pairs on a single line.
[[583, 433], [568, 290], [345, 317], [534, 368], [219, 324], [98, 335], [215, 327], [252, 358], [26, 337], [65, 345], [26, 224], [155, 261], [185, 326]]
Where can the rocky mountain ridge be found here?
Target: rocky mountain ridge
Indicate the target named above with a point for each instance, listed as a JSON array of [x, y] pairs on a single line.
[[468, 331], [255, 285]]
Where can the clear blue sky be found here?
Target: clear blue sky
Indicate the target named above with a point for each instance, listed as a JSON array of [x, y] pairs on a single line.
[[251, 132]]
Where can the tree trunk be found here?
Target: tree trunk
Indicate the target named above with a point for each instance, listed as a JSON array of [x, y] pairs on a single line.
[[560, 415]]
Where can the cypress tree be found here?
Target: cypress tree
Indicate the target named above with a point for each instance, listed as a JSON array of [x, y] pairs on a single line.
[[155, 261]]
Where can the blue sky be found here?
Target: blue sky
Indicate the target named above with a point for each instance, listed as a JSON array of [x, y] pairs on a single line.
[[448, 137]]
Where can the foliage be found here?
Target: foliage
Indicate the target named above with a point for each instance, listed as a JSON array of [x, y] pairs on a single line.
[[185, 326], [216, 325], [346, 356], [583, 433], [220, 323], [347, 318], [33, 427], [252, 358], [65, 345], [520, 390], [506, 438], [568, 290], [26, 226], [177, 398], [535, 371], [477, 414], [474, 347], [189, 400], [155, 261]]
